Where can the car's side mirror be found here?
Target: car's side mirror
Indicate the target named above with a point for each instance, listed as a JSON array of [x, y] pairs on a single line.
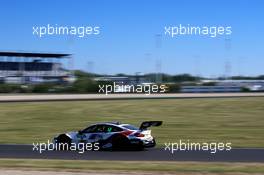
[[80, 132]]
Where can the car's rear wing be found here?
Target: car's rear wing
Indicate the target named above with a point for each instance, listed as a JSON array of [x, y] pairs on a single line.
[[144, 125]]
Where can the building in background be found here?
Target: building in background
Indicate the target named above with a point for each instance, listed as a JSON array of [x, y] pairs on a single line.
[[33, 68], [225, 86], [252, 85], [209, 89]]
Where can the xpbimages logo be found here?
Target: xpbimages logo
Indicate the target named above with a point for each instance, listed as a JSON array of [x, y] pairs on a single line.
[[79, 31], [212, 147], [147, 89], [51, 146], [211, 31]]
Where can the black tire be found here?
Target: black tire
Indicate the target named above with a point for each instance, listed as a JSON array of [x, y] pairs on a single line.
[[63, 143], [120, 142], [154, 142], [137, 147]]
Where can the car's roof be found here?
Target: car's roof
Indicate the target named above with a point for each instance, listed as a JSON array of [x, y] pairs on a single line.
[[109, 123], [112, 123], [117, 124]]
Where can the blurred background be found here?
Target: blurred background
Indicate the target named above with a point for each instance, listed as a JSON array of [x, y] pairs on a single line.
[[131, 47]]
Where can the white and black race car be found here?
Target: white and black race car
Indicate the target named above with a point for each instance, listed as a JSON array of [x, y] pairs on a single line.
[[113, 136]]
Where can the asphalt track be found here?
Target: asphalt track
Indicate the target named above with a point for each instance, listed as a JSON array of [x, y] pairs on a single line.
[[154, 154], [76, 97]]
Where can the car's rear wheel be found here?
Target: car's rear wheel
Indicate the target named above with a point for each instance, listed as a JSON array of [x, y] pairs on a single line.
[[137, 146], [120, 142]]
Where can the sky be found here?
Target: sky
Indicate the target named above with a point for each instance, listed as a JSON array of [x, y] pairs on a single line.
[[131, 29]]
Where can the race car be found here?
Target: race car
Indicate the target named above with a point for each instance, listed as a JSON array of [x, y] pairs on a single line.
[[112, 136]]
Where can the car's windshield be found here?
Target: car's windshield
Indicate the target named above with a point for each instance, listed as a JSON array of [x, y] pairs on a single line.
[[131, 127], [90, 129], [102, 128]]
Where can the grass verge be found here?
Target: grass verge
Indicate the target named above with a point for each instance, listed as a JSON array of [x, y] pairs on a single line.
[[236, 120], [133, 166]]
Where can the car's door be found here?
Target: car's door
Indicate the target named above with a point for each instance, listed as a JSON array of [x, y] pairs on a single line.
[[99, 132], [93, 133], [109, 130]]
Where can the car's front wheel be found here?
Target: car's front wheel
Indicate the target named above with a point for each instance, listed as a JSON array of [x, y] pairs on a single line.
[[63, 142]]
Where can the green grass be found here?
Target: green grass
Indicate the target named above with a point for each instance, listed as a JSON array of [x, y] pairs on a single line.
[[236, 120], [133, 166]]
